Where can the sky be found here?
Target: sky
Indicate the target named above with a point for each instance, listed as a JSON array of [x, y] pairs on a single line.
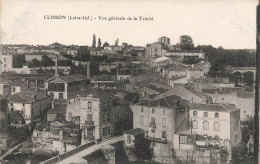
[[227, 23]]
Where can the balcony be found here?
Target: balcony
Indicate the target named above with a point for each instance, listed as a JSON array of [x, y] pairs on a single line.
[[157, 140]]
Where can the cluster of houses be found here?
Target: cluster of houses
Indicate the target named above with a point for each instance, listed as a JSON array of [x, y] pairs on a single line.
[[172, 104]]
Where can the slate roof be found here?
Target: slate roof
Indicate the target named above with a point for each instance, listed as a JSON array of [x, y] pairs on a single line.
[[26, 96], [70, 78], [214, 107], [135, 131]]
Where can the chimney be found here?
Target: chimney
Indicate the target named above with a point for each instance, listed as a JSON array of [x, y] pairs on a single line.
[[56, 65], [88, 69]]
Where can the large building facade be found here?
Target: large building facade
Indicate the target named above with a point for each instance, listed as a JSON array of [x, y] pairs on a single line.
[[215, 120]]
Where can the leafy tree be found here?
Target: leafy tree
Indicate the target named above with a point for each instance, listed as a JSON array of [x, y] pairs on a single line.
[[35, 62], [247, 128], [99, 43], [18, 61], [249, 78], [47, 61], [116, 42], [143, 151], [83, 54], [105, 44], [94, 41], [186, 42]]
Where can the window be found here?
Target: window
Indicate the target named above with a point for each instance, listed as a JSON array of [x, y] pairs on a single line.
[[60, 95], [163, 112], [153, 122], [108, 116], [4, 65], [216, 126], [141, 120], [11, 104], [205, 114], [164, 134], [205, 125], [155, 49], [89, 105], [164, 122], [222, 99], [142, 110], [195, 124], [217, 115], [23, 104], [194, 113], [183, 139], [13, 89], [236, 138], [23, 112], [128, 139], [103, 118], [4, 59], [70, 115], [153, 111]]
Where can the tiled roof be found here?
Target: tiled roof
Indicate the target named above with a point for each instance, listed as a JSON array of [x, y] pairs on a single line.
[[60, 108], [17, 83], [214, 107], [27, 96], [177, 68], [155, 88], [167, 102], [246, 95], [222, 90], [135, 131], [163, 58], [70, 78], [104, 78], [194, 69], [97, 93]]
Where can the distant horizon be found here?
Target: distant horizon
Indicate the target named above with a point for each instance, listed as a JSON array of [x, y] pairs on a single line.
[[228, 24]]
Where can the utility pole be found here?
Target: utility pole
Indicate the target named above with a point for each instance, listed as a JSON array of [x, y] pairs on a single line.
[[257, 86]]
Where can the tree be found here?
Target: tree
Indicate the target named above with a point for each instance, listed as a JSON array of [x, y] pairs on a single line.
[[18, 61], [83, 54], [47, 61], [116, 42], [94, 41], [105, 44], [35, 62], [186, 42], [142, 150], [249, 78], [99, 43]]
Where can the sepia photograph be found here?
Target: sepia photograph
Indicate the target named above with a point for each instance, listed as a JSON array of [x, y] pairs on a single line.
[[129, 82]]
